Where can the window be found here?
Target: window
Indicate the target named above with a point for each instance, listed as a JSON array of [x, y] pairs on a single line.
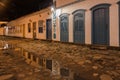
[[13, 29], [64, 23], [78, 22], [40, 29], [79, 26], [20, 28], [40, 26], [29, 27]]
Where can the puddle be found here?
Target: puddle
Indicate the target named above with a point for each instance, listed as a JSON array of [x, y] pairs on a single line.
[[43, 62], [29, 55], [77, 76], [64, 72], [49, 64]]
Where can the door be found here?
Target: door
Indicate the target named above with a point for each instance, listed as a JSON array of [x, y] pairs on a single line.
[[23, 30], [34, 30], [64, 28], [79, 26], [100, 28], [49, 29]]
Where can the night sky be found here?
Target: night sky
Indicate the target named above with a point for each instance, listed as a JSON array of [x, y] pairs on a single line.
[[12, 9]]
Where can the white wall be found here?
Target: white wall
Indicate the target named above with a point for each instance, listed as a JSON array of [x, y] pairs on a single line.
[[34, 17], [87, 4]]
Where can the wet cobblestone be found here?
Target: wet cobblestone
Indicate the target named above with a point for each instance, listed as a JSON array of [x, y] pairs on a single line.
[[82, 62]]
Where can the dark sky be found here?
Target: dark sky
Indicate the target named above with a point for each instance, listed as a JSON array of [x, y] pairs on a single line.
[[12, 9]]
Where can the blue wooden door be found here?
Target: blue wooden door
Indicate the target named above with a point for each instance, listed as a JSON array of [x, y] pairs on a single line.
[[79, 27], [100, 34], [49, 29], [64, 28]]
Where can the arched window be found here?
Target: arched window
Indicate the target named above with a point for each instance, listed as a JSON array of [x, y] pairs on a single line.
[[64, 22], [79, 26]]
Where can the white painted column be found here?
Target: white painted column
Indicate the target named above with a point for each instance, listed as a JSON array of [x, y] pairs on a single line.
[[57, 29], [70, 28], [114, 25], [88, 24]]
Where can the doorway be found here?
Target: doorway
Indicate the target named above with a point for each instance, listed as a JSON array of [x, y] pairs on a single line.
[[34, 30], [100, 24], [49, 29]]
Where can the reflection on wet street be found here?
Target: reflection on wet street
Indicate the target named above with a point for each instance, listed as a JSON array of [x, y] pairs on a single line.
[[25, 59]]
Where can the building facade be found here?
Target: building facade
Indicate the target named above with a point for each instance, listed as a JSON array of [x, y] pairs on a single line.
[[87, 21], [37, 25], [94, 22]]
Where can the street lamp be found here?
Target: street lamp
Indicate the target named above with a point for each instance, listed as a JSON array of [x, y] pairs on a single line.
[[52, 9]]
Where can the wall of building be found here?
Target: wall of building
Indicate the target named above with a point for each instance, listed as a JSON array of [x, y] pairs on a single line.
[[69, 8], [14, 29], [87, 5], [34, 17], [60, 3]]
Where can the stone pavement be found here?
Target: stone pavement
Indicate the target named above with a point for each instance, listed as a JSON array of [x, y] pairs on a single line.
[[62, 61]]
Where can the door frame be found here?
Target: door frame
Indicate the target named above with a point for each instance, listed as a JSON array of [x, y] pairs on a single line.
[[119, 19], [104, 5]]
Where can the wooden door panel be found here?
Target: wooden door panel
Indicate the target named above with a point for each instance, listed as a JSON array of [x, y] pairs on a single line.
[[100, 29]]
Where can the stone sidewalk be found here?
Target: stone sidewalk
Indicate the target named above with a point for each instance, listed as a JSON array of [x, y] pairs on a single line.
[[69, 61]]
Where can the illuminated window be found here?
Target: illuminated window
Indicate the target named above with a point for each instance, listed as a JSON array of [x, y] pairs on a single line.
[[40, 26]]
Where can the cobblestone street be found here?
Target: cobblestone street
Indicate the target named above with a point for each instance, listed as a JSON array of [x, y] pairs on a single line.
[[27, 59]]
